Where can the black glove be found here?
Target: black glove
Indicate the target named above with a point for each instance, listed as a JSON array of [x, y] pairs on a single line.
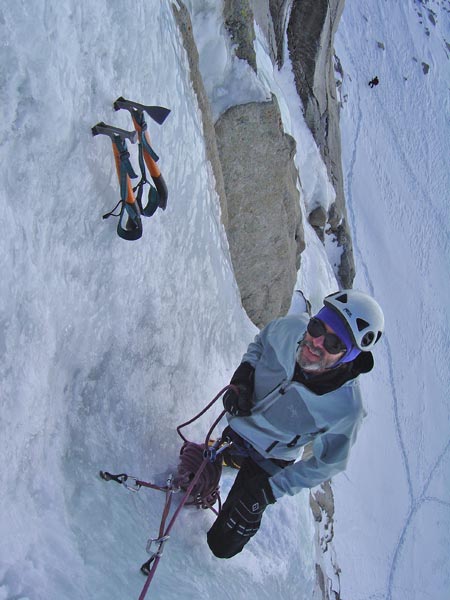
[[238, 401], [246, 514], [258, 491]]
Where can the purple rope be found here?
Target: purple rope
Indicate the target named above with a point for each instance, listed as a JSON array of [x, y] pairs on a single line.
[[193, 465], [171, 524], [227, 387], [206, 492]]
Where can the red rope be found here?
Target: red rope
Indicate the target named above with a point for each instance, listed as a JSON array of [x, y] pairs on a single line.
[[206, 491], [222, 391], [165, 532], [161, 534]]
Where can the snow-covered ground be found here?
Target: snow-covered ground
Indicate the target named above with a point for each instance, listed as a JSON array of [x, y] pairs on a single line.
[[107, 345], [393, 505]]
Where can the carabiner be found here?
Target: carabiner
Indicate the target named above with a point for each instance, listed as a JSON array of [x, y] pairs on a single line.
[[161, 542]]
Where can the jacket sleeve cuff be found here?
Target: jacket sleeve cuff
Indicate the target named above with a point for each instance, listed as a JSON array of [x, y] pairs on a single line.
[[269, 493]]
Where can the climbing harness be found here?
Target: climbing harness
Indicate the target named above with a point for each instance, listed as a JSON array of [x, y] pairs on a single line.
[[131, 206], [198, 475]]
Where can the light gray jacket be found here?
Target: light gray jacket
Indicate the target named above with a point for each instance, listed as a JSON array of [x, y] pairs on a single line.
[[286, 415]]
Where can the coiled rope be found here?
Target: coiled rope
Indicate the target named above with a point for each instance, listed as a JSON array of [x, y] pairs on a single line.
[[206, 491], [198, 475]]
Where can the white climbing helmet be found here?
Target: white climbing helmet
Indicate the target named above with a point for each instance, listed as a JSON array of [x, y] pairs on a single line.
[[361, 313]]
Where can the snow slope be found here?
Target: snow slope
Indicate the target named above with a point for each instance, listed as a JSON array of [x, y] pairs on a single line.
[[107, 345], [393, 504]]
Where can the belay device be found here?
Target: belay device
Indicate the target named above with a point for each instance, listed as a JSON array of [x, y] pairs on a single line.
[[131, 207], [198, 475]]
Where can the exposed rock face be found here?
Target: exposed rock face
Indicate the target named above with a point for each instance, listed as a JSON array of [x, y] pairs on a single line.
[[264, 220], [321, 501], [260, 212], [311, 30], [238, 18], [279, 11], [318, 219], [259, 201]]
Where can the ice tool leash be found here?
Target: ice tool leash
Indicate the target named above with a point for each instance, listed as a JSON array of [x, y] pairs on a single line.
[[131, 207], [198, 475], [132, 230]]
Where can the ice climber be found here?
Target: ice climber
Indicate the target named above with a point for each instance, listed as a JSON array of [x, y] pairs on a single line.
[[297, 410]]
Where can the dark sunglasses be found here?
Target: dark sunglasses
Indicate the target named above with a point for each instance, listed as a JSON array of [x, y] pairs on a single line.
[[331, 342]]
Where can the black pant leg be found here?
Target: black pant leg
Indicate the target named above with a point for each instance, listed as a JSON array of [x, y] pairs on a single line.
[[223, 541]]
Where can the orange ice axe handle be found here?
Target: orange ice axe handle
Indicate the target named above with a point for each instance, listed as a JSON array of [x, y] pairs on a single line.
[[146, 152], [124, 174], [155, 172], [150, 158], [129, 208]]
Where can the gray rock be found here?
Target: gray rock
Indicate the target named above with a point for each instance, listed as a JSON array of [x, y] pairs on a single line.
[[263, 18], [346, 270], [238, 19], [318, 219], [311, 30], [341, 232], [279, 11], [264, 229], [334, 218], [322, 506]]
